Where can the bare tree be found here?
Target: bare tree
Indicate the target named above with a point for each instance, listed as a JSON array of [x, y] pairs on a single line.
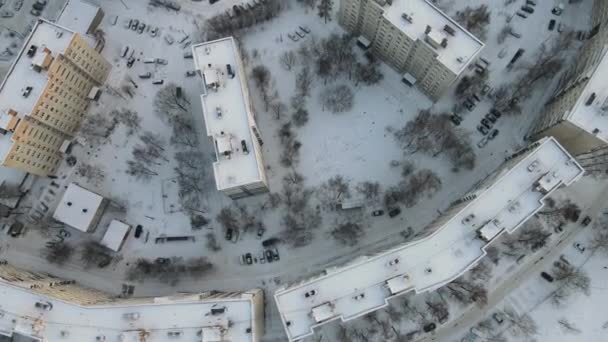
[[191, 177], [369, 190], [325, 8], [59, 253], [97, 126], [278, 108], [481, 272], [129, 118], [422, 183], [227, 218], [153, 139], [600, 242], [337, 99], [504, 33], [466, 292], [9, 191], [184, 132], [291, 146], [568, 327], [262, 78], [368, 74], [334, 190], [139, 170], [475, 20], [347, 234], [438, 309], [288, 59], [521, 325], [531, 237], [198, 267], [169, 101], [212, 243], [92, 173], [569, 280], [93, 253], [300, 117], [304, 82]]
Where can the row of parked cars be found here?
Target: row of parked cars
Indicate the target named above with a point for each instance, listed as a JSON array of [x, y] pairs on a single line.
[[140, 27], [268, 255], [299, 34]]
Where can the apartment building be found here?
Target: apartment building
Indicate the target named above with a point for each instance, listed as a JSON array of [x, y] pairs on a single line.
[[40, 307], [230, 119], [45, 95], [452, 244], [415, 38]]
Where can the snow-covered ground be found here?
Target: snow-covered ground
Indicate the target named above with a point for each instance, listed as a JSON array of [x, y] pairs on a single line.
[[354, 144]]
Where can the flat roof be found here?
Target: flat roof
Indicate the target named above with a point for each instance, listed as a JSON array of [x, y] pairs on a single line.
[[590, 111], [461, 45], [78, 207], [231, 98], [21, 75], [78, 15], [115, 235], [435, 260], [155, 319]]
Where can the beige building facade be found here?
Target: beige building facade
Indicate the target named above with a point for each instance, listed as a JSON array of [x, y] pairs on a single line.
[[45, 97], [415, 38]]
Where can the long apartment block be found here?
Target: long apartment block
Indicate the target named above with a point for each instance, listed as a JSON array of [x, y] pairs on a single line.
[[39, 307], [45, 95], [415, 38], [230, 119], [454, 243]]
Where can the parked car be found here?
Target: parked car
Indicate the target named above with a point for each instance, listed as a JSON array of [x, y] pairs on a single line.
[[6, 14], [521, 14], [229, 233], [154, 31], [560, 27], [498, 317], [169, 39], [64, 233], [145, 75], [456, 119], [528, 9], [580, 247], [270, 242], [585, 222], [44, 305], [551, 24], [482, 129], [557, 10], [248, 259], [157, 81], [262, 258], [260, 233], [468, 104], [37, 6], [35, 12], [141, 28], [138, 230], [162, 260], [531, 2], [429, 327], [305, 29], [394, 212], [301, 35], [17, 5], [559, 228], [486, 123], [161, 61], [134, 24], [269, 255], [15, 229], [486, 88], [546, 276], [490, 117], [515, 34], [493, 134], [190, 73], [377, 212], [496, 113], [276, 255], [483, 142], [211, 2], [188, 54], [130, 62]]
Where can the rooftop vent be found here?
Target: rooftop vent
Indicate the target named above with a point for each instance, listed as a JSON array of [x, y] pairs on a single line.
[[407, 17], [590, 99], [533, 166], [449, 30]]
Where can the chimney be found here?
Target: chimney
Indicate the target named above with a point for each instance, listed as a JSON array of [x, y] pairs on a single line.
[[444, 43], [427, 30]]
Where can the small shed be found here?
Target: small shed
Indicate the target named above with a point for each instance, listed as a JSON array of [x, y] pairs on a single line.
[[116, 235]]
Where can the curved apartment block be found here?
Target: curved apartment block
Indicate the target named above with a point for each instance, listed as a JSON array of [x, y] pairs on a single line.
[[448, 247]]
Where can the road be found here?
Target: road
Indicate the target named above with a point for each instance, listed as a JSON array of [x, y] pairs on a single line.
[[531, 267]]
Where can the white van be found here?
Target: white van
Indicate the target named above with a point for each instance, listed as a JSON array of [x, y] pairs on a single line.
[[149, 60]]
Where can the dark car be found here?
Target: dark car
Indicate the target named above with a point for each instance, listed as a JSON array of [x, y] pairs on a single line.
[[528, 9], [16, 229], [490, 117], [270, 242], [486, 123], [248, 259], [104, 262], [162, 260], [546, 276], [138, 230], [130, 62], [468, 104], [429, 327], [394, 212], [377, 212], [551, 24], [495, 112], [455, 119], [261, 231], [38, 6], [229, 234], [211, 2], [482, 129], [493, 134], [586, 221], [269, 255]]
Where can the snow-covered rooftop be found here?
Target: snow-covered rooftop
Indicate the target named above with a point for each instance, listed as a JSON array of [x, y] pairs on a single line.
[[590, 112], [366, 284], [115, 235], [21, 75], [78, 207], [462, 47], [181, 318], [227, 112], [78, 15]]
